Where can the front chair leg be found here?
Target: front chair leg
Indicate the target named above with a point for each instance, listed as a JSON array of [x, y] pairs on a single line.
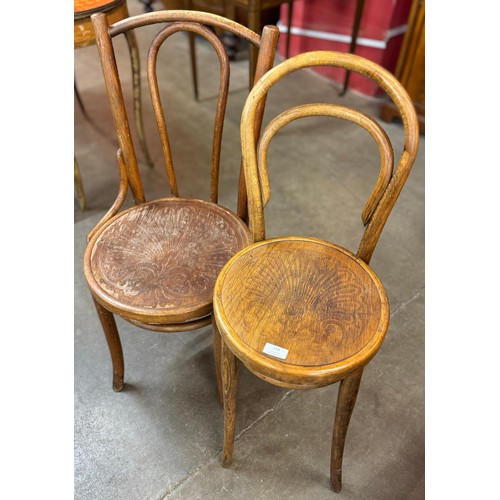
[[217, 344], [346, 400], [114, 344], [230, 386]]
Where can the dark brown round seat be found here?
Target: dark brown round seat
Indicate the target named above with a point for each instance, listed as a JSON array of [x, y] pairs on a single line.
[[157, 262]]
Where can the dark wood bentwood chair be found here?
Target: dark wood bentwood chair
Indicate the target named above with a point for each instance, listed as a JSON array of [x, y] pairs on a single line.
[[301, 312], [155, 264]]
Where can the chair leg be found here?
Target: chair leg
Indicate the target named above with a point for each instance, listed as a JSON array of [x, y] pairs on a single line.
[[80, 101], [254, 13], [114, 344], [192, 52], [355, 29], [136, 81], [217, 344], [230, 388], [346, 400], [80, 193], [194, 72], [289, 29]]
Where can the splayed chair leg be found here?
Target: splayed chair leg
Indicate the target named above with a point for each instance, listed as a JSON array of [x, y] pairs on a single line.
[[217, 344], [230, 388], [346, 400], [114, 344]]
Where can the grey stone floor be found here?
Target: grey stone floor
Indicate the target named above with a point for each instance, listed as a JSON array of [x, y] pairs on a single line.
[[161, 437]]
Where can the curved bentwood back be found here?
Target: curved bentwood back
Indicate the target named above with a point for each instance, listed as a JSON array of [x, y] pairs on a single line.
[[171, 22], [390, 181]]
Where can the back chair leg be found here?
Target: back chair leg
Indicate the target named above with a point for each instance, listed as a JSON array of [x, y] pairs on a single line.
[[348, 391], [194, 71], [230, 388], [136, 79], [114, 344], [254, 25], [289, 29], [217, 343]]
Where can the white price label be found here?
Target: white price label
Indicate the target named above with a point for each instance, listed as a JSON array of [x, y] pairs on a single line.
[[276, 351]]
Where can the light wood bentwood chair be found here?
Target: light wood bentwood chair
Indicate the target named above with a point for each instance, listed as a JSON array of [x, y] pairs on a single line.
[[155, 264], [301, 312]]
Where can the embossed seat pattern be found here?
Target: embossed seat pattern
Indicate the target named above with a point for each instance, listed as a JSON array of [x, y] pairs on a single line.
[[165, 255]]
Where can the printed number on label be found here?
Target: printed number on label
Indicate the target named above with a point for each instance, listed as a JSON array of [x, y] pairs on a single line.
[[276, 351]]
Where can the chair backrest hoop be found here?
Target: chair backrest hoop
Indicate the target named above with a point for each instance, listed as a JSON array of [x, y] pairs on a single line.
[[377, 216], [104, 34]]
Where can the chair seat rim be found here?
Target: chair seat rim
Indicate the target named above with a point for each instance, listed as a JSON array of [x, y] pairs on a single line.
[[162, 316], [296, 375]]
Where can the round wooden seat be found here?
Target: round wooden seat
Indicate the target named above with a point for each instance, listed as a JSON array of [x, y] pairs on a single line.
[[300, 311], [158, 262]]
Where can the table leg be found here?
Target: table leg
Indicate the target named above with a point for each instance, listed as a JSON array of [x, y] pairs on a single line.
[[79, 187]]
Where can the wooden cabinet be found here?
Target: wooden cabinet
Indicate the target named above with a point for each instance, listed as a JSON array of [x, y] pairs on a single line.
[[410, 69], [269, 15]]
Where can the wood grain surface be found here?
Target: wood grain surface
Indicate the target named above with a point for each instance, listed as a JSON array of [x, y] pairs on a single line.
[[83, 31], [160, 260], [312, 298], [85, 7]]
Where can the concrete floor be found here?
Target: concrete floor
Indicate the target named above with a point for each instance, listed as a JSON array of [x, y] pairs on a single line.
[[161, 437]]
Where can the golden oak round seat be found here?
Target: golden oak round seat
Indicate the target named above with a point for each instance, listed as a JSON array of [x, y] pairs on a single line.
[[321, 306], [158, 261]]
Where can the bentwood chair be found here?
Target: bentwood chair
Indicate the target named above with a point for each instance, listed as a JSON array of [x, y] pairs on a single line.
[[84, 36], [155, 264], [301, 312]]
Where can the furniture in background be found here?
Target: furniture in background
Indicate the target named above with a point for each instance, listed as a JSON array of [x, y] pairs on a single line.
[[80, 193], [254, 9], [155, 264], [411, 66], [378, 34], [301, 312], [114, 10], [354, 38], [147, 5], [248, 12]]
